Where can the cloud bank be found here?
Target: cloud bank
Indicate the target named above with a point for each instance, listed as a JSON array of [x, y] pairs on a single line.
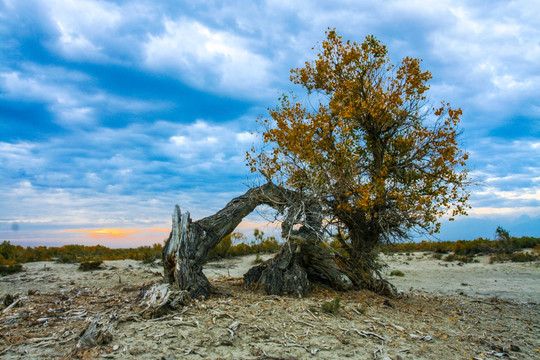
[[111, 112]]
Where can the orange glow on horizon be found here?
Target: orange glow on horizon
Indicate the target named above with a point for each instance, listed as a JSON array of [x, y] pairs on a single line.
[[159, 230], [107, 233]]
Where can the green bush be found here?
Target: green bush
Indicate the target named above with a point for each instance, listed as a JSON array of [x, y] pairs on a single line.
[[502, 243], [397, 273], [66, 258], [10, 269], [460, 258], [90, 265], [227, 248], [258, 259]]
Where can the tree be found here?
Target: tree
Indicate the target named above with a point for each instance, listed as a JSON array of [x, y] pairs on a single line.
[[378, 160], [503, 237]]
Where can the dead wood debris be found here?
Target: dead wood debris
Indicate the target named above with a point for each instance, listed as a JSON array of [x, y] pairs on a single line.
[[275, 327], [99, 332], [163, 298]]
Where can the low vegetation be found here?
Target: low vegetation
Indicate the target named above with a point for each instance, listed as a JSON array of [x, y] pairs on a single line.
[[397, 273], [514, 257], [478, 246], [15, 254], [11, 256], [90, 265], [332, 307], [235, 245], [10, 269], [460, 258], [504, 248]]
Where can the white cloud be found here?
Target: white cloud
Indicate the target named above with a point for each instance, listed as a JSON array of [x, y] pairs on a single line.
[[72, 103], [18, 156], [246, 137], [512, 212], [204, 146], [212, 60], [491, 54], [83, 25]]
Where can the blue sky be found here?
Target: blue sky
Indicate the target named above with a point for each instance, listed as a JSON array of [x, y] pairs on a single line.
[[111, 112]]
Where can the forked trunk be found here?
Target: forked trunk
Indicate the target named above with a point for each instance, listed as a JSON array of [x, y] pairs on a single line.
[[189, 242]]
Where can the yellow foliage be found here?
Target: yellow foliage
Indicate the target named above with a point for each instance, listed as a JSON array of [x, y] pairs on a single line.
[[370, 152]]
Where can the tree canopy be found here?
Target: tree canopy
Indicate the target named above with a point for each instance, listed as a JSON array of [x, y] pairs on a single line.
[[381, 161]]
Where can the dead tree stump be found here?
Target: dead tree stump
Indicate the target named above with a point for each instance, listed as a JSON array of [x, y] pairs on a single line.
[[187, 247]]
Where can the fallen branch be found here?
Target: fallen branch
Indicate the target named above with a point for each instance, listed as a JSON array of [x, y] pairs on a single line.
[[363, 333], [186, 323], [13, 304], [6, 349]]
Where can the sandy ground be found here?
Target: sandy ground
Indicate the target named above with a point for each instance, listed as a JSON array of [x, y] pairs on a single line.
[[517, 282], [447, 311]]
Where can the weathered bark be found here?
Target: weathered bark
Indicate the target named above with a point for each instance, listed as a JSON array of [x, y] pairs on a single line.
[[161, 299], [99, 332], [188, 245], [366, 277], [301, 262]]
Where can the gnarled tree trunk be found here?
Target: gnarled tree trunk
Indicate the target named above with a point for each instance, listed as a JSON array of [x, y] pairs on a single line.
[[189, 242], [301, 261], [299, 264]]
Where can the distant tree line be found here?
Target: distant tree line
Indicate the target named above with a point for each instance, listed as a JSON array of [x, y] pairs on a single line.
[[467, 247], [15, 254], [235, 244]]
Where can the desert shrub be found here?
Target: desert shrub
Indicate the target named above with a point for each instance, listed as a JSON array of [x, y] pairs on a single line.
[[258, 259], [460, 258], [149, 254], [261, 244], [437, 256], [269, 245], [514, 257], [333, 306], [90, 265], [526, 242], [66, 258], [502, 243], [397, 273], [222, 248], [523, 257], [10, 269]]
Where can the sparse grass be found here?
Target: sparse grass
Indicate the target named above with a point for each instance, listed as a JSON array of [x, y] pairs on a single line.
[[90, 265], [332, 307], [397, 273]]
